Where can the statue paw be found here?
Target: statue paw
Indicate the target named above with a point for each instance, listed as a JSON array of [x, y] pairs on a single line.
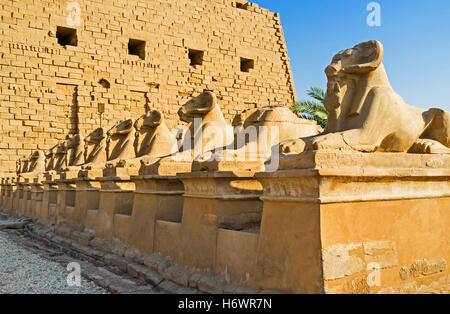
[[293, 147], [426, 146], [331, 141]]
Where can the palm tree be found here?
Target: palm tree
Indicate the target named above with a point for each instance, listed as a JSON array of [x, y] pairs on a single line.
[[312, 109]]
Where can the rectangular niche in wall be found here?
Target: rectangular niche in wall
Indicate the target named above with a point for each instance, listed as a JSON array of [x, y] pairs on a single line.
[[243, 6], [136, 48], [66, 36], [196, 57], [247, 64]]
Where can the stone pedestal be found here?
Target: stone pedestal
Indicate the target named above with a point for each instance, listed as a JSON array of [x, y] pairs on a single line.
[[19, 202], [36, 190], [6, 192], [50, 198], [4, 188], [212, 201], [67, 195], [156, 198], [346, 222], [87, 201], [116, 198], [12, 193]]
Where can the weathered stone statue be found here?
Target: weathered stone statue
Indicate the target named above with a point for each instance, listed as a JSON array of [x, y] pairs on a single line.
[[153, 139], [257, 135], [119, 142], [37, 162], [75, 152], [211, 132], [50, 158], [258, 124], [365, 113], [95, 150], [22, 165], [60, 157], [34, 163], [207, 130]]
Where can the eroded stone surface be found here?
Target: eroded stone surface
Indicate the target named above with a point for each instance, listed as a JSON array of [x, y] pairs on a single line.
[[363, 111]]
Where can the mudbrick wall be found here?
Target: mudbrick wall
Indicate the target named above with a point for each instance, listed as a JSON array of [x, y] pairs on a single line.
[[68, 67]]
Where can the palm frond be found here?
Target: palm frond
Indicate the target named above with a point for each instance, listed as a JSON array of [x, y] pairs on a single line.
[[317, 93], [312, 109]]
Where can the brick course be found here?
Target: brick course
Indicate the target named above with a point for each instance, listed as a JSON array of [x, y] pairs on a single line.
[[48, 90]]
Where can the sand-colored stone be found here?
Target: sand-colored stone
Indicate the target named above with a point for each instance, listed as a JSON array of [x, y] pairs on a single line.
[[120, 141], [359, 209], [95, 150], [49, 90], [75, 152], [365, 113], [153, 140], [330, 219]]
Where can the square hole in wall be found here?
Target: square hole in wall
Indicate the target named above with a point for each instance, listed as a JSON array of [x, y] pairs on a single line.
[[137, 48], [66, 36], [196, 56], [247, 64], [243, 6]]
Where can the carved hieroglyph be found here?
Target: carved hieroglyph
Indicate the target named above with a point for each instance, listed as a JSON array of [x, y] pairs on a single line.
[[365, 113]]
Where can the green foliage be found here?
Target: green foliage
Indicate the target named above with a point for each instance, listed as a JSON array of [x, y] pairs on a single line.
[[312, 109]]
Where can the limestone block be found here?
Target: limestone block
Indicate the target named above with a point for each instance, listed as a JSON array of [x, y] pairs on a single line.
[[340, 261]]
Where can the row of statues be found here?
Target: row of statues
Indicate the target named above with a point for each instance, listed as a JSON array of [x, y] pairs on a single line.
[[365, 114], [146, 140]]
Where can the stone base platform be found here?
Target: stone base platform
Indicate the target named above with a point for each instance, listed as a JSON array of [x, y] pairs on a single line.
[[346, 222], [327, 221]]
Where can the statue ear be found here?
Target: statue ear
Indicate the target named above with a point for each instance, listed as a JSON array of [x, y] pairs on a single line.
[[203, 103], [368, 55]]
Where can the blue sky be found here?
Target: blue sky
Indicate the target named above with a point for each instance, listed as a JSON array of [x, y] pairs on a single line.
[[415, 35]]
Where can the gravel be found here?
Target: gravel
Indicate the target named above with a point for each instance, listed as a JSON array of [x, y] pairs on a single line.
[[24, 272]]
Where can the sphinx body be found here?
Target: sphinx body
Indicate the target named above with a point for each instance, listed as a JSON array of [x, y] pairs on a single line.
[[153, 140], [262, 129], [365, 113], [22, 165], [50, 158], [207, 130], [95, 150], [60, 157], [37, 162], [119, 143], [75, 152], [34, 163]]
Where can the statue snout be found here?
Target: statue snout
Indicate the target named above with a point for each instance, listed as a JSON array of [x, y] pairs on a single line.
[[331, 70]]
